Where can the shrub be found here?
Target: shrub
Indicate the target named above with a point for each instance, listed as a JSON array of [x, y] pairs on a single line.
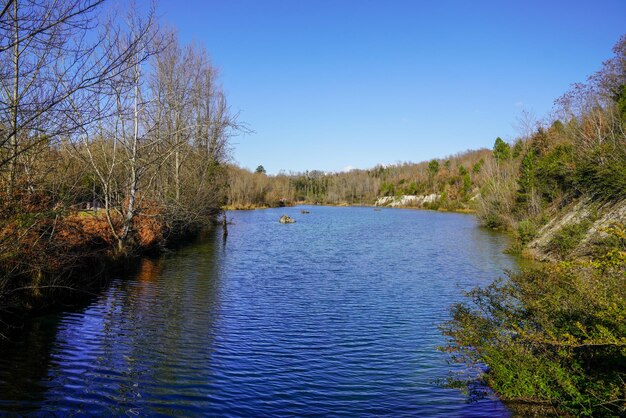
[[602, 172], [555, 171], [568, 237], [387, 189], [526, 231], [554, 335]]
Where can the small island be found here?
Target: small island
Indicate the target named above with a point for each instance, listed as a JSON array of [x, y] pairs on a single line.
[[286, 220]]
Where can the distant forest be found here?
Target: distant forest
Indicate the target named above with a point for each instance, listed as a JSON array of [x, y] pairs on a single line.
[[457, 178]]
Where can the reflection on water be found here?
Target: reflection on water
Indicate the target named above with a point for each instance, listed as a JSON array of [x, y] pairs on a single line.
[[335, 314], [149, 270]]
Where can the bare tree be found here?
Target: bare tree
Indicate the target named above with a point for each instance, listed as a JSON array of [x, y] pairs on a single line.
[[49, 66], [123, 140], [194, 122]]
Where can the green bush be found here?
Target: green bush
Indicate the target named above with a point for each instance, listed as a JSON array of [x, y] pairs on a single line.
[[554, 335], [568, 237], [613, 240], [555, 172], [526, 231], [602, 173], [478, 166], [387, 189]]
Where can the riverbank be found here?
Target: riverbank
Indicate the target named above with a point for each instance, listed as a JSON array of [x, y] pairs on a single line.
[[55, 261], [550, 335], [468, 211], [79, 254]]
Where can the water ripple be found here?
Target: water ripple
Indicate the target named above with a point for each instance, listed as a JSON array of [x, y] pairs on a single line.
[[334, 315]]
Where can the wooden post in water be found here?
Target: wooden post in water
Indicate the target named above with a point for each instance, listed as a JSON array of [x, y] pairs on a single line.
[[224, 226]]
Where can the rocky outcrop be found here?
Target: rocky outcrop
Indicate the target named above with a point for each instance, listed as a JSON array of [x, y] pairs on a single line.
[[286, 220], [588, 219], [406, 200]]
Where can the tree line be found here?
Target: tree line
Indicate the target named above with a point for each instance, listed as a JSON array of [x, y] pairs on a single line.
[[114, 138], [456, 179]]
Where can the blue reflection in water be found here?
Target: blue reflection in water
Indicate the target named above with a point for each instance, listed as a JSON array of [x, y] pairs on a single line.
[[334, 315]]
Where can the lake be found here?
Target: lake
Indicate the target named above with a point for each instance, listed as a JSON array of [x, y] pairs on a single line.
[[334, 315]]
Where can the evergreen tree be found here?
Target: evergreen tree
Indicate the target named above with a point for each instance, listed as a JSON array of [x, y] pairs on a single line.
[[501, 150]]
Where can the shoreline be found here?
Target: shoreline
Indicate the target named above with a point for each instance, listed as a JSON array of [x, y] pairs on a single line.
[[343, 205], [74, 284]]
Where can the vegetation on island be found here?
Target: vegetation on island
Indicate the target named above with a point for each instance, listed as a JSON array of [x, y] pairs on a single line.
[[554, 335], [113, 141]]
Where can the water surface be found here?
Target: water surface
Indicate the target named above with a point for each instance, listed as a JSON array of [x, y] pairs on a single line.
[[334, 315]]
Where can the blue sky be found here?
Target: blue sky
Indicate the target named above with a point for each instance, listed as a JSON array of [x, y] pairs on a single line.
[[330, 84]]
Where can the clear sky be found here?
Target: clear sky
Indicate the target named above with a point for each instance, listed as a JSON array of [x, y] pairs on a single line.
[[331, 84]]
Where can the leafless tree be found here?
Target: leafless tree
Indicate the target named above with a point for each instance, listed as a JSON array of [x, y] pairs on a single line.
[[50, 64]]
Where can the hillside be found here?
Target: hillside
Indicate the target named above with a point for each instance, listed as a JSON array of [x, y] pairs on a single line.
[[561, 187], [553, 335], [456, 180]]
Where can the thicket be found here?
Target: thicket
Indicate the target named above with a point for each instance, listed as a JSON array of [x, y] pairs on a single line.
[[554, 335], [580, 153], [113, 140]]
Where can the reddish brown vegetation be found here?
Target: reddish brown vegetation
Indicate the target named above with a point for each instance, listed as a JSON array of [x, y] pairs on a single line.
[[149, 226], [43, 244]]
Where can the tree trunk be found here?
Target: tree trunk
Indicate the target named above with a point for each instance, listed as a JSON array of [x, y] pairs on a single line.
[[13, 143], [134, 178]]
